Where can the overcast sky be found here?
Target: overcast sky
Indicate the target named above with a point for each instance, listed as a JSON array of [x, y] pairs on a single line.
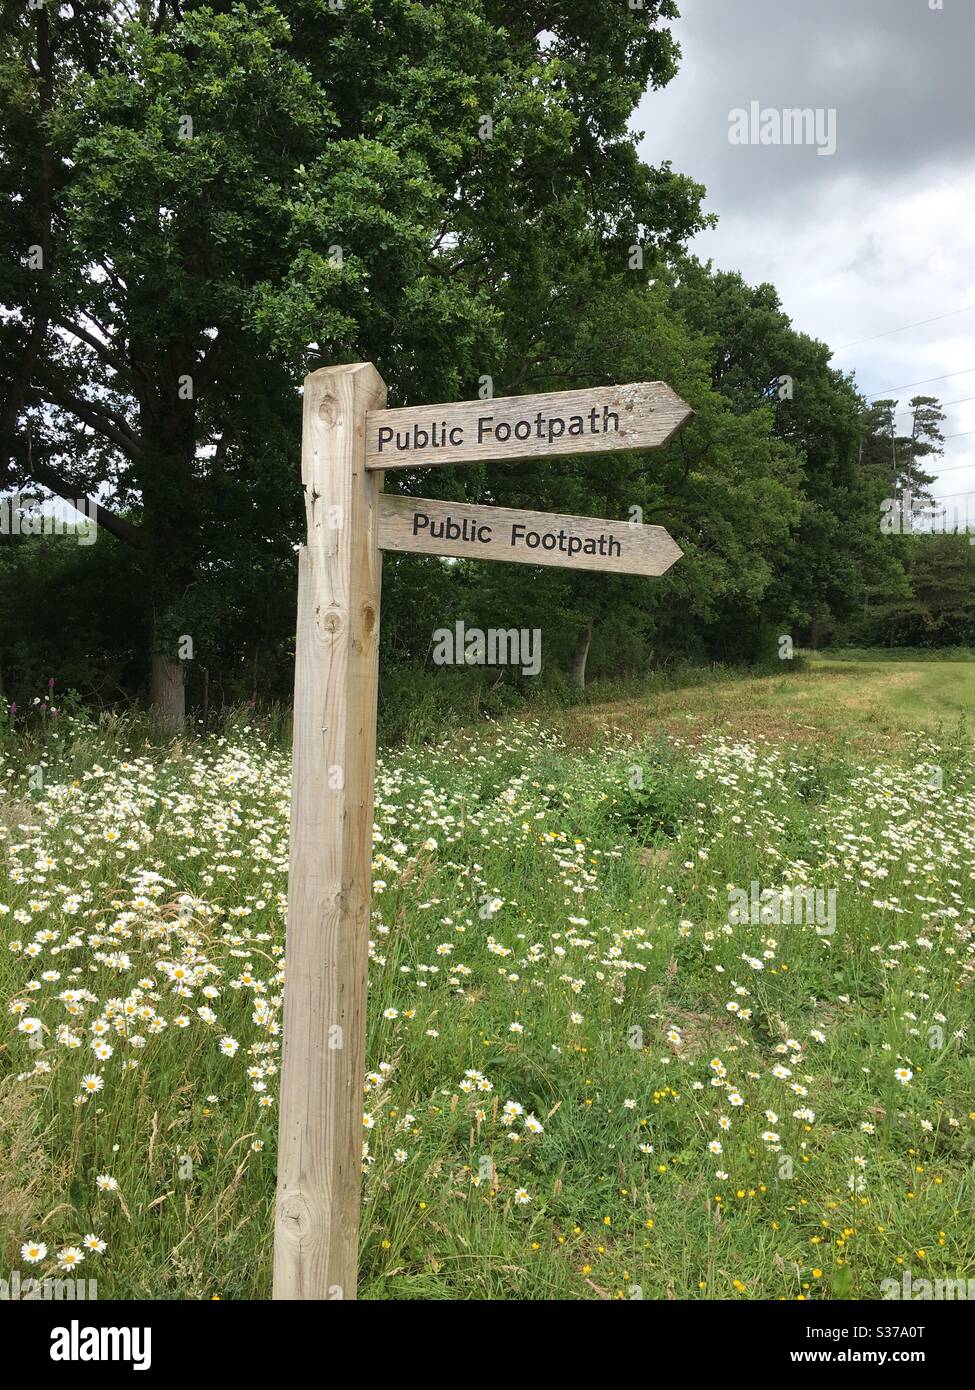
[[877, 235]]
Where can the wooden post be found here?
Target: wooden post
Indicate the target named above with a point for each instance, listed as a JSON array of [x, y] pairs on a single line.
[[336, 675]]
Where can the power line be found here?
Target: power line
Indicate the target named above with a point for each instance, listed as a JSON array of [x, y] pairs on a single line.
[[956, 467], [904, 327], [944, 405], [872, 395]]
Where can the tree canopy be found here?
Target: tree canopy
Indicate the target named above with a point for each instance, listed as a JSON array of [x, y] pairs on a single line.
[[205, 201]]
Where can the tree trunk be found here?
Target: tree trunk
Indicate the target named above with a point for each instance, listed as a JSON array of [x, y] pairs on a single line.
[[581, 655], [171, 512], [167, 692]]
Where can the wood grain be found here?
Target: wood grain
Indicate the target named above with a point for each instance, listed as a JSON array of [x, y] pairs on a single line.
[[644, 415], [336, 672], [504, 533]]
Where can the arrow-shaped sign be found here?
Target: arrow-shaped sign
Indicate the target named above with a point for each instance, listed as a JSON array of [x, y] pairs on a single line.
[[644, 415], [428, 527]]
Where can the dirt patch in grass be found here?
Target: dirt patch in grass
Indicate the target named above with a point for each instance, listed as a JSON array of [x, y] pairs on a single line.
[[17, 813]]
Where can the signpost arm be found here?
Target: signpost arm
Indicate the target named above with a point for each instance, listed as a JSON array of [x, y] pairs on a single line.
[[336, 677]]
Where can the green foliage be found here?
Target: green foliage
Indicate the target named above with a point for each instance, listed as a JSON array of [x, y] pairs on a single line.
[[230, 194], [938, 608], [227, 195]]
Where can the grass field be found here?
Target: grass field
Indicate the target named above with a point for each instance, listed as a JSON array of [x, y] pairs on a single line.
[[599, 1066], [873, 704]]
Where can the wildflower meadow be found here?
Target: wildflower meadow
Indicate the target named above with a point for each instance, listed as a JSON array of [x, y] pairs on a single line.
[[650, 1016]]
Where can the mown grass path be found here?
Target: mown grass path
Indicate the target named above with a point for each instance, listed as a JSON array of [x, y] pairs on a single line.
[[830, 701]]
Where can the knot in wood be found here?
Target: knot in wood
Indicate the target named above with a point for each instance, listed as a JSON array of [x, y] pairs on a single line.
[[294, 1215], [328, 408]]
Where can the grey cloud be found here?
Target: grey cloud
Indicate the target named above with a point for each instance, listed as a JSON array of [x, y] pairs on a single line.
[[877, 235]]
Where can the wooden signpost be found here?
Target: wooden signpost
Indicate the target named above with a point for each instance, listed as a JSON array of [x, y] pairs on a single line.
[[348, 440], [529, 538], [607, 418]]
